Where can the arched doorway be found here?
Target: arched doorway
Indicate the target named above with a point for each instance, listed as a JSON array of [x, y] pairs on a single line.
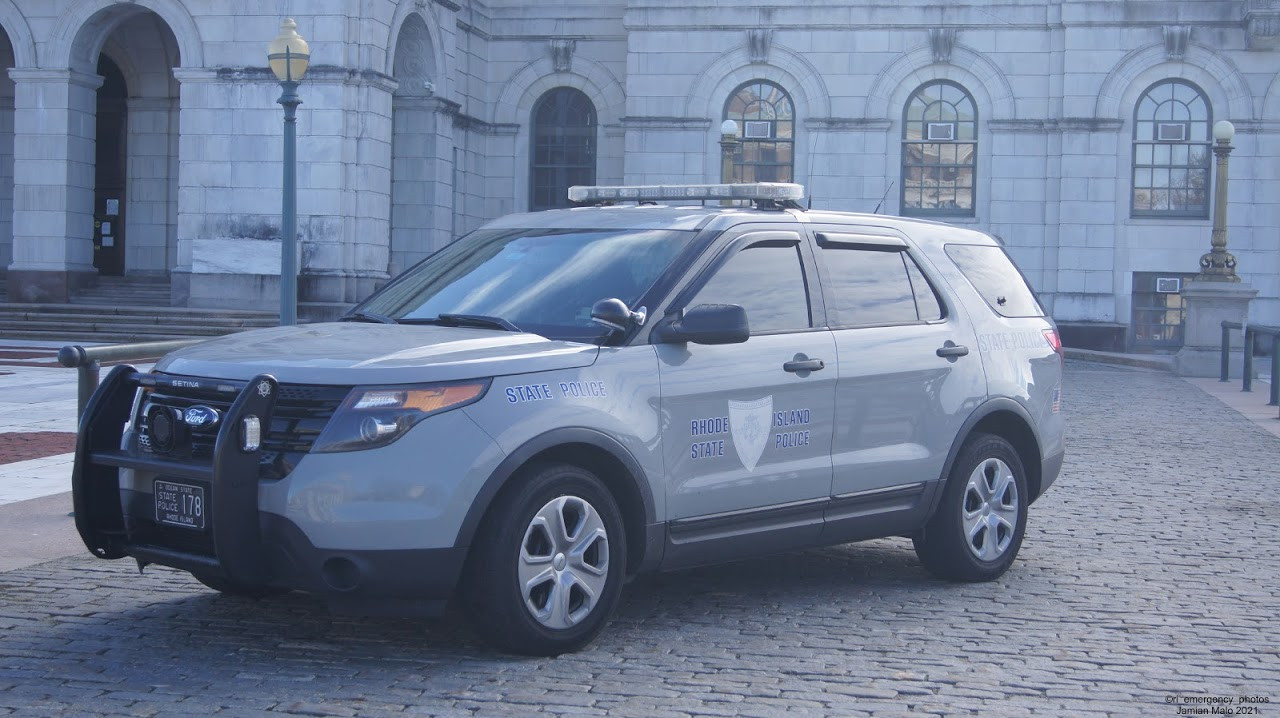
[[135, 149], [6, 156]]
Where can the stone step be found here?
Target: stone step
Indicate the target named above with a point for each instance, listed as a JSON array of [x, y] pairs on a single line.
[[125, 310], [90, 328], [322, 311], [177, 321], [108, 337]]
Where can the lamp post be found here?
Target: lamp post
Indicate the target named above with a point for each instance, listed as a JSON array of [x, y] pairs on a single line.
[[289, 55], [1218, 265], [728, 148]]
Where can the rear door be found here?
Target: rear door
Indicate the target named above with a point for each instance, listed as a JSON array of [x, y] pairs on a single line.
[[747, 427], [909, 371]]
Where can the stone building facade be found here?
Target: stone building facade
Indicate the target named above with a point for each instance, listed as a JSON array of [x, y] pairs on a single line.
[[143, 137]]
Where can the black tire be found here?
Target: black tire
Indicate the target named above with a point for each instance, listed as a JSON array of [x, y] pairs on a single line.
[[508, 542], [988, 547], [241, 590]]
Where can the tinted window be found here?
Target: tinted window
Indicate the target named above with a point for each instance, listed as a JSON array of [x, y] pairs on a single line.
[[1000, 283], [543, 281], [768, 282], [868, 287], [927, 304]]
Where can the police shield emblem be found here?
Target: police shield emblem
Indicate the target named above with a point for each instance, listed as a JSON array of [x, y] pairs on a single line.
[[749, 423]]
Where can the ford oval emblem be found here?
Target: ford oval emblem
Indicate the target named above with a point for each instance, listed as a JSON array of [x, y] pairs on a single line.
[[200, 417]]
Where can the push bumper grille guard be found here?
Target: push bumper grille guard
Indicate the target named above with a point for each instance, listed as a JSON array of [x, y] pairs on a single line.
[[233, 474]]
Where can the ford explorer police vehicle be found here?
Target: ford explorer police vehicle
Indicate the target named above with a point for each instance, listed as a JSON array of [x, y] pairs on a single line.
[[559, 401]]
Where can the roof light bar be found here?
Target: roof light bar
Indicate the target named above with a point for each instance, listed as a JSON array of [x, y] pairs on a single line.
[[756, 191]]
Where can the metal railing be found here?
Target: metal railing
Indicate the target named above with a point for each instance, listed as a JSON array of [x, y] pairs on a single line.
[[1251, 332], [88, 361]]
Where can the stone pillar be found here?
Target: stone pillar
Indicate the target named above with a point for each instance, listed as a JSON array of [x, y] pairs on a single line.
[[1209, 303], [152, 187], [421, 166], [54, 130]]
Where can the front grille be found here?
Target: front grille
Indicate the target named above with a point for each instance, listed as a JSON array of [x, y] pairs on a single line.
[[300, 414]]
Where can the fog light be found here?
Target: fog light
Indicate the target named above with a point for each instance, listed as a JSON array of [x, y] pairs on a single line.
[[251, 432]]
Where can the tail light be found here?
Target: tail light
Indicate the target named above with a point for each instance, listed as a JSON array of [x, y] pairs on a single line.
[[1051, 336]]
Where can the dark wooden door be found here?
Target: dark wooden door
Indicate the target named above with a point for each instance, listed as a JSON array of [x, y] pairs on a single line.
[[110, 170]]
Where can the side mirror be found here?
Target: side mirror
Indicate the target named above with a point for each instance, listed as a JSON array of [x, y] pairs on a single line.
[[614, 314], [707, 324]]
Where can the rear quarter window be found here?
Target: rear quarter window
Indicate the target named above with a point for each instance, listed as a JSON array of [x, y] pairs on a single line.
[[994, 275]]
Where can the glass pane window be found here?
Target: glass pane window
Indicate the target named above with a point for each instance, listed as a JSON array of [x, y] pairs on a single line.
[[939, 151], [1171, 139], [768, 282], [766, 131], [1159, 311], [564, 147]]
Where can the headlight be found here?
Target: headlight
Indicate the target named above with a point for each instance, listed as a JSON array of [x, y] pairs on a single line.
[[373, 416]]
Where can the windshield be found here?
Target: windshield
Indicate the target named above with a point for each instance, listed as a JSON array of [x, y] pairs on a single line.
[[541, 280]]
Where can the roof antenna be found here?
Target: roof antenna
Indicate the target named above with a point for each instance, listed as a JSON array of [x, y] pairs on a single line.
[[883, 198]]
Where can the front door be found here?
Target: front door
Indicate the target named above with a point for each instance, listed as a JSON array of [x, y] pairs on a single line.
[[110, 170], [747, 427]]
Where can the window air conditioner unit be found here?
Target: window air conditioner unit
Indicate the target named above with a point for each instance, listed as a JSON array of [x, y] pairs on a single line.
[[758, 131], [1171, 131], [941, 131], [1168, 285]]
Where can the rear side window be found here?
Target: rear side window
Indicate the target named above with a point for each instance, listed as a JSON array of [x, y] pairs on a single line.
[[875, 286], [1000, 283]]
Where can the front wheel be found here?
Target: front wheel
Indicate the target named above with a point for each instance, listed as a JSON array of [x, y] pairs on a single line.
[[977, 529], [547, 567]]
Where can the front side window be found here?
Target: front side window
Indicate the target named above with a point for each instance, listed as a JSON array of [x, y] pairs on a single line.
[[939, 151], [767, 280], [543, 281], [766, 127], [564, 147], [1171, 139]]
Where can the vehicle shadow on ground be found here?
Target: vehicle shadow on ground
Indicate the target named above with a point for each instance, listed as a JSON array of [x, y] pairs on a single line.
[[165, 613]]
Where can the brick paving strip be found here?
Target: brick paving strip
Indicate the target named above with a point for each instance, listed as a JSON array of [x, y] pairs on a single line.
[[23, 445]]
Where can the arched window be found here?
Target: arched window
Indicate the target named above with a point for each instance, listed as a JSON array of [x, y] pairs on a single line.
[[766, 126], [939, 151], [1171, 140], [564, 147]]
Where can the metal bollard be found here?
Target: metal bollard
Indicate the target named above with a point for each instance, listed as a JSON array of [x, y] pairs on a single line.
[[1226, 353], [87, 384], [1275, 371], [1248, 359]]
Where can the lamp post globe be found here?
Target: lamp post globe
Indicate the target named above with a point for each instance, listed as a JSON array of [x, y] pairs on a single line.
[[289, 56]]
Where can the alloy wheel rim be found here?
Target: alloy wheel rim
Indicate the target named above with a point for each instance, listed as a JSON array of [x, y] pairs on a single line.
[[990, 510], [564, 562]]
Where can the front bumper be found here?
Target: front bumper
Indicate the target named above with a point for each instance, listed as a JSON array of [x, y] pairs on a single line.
[[240, 542]]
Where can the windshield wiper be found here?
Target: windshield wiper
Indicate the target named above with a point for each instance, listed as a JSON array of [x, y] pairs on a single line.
[[364, 316], [466, 320]]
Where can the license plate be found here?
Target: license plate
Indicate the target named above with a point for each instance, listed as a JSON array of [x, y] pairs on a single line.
[[180, 505]]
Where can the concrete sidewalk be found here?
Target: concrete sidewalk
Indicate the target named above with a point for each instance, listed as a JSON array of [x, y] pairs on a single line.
[[35, 499]]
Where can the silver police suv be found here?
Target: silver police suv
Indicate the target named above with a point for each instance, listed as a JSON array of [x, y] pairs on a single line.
[[559, 401]]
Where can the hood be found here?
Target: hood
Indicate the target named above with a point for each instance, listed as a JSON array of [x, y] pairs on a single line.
[[349, 353]]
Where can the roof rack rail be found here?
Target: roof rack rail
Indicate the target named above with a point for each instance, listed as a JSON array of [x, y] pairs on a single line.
[[765, 195]]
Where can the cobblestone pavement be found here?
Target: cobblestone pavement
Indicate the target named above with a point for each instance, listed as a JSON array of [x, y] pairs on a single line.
[[1151, 572]]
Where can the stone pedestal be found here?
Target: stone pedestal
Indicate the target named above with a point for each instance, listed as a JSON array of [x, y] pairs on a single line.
[[1208, 305]]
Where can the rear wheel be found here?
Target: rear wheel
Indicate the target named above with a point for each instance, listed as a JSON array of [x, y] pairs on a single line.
[[547, 567], [977, 530]]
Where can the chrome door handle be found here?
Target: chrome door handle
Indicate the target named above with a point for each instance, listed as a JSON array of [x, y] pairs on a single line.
[[797, 365]]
